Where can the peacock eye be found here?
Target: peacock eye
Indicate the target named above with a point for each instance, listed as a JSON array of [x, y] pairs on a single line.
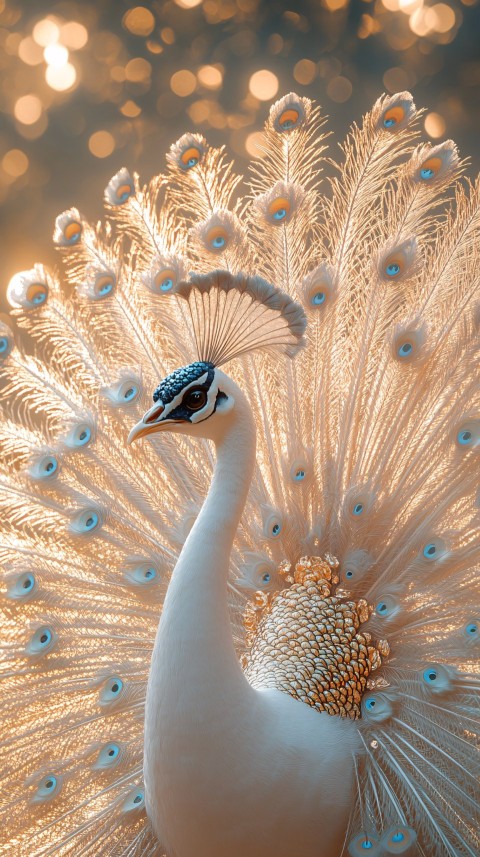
[[195, 399]]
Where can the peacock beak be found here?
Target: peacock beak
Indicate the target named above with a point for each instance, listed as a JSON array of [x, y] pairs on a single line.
[[151, 422]]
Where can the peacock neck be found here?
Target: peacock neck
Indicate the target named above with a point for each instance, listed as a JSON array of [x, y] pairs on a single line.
[[195, 637]]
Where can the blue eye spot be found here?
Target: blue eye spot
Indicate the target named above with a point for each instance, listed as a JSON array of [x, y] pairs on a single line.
[[280, 214], [138, 798], [429, 675], [319, 298], [358, 509], [218, 242], [28, 582], [471, 629], [50, 466], [429, 551], [45, 637], [382, 607], [427, 173], [464, 437], [39, 299], [276, 529], [388, 123], [349, 574], [266, 577], [3, 344], [370, 704], [393, 269], [84, 436], [398, 837], [50, 783], [166, 284], [130, 393], [105, 289], [91, 521], [405, 349], [192, 162], [116, 686], [150, 573], [299, 475], [366, 845]]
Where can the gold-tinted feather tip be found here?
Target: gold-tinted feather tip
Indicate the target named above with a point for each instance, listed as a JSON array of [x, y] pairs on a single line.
[[305, 640]]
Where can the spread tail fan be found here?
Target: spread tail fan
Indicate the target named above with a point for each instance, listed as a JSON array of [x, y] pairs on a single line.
[[367, 454]]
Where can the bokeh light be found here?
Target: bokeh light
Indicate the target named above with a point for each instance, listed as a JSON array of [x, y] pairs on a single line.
[[28, 109], [101, 144], [106, 85], [263, 85]]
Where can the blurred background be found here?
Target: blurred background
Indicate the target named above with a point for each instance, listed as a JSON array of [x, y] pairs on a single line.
[[88, 87]]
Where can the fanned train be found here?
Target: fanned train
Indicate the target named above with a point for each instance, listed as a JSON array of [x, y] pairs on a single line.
[[306, 528]]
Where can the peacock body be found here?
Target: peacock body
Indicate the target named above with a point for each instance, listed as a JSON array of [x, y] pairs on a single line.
[[306, 527]]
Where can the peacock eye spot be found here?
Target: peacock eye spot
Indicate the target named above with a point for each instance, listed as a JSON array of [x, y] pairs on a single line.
[[91, 521], [276, 529], [280, 214], [405, 349], [45, 637], [358, 509], [382, 607], [195, 399], [319, 298], [464, 437], [370, 704], [429, 550], [3, 344], [190, 158], [266, 577], [366, 845], [393, 269], [398, 837], [166, 284], [471, 628], [137, 799], [299, 475], [389, 122], [430, 675], [349, 574], [289, 119], [83, 435], [150, 572], [130, 393], [426, 173]]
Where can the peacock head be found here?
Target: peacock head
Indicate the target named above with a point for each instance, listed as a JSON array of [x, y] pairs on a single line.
[[191, 400]]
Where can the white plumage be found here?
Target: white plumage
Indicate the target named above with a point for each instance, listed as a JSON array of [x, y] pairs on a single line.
[[344, 424]]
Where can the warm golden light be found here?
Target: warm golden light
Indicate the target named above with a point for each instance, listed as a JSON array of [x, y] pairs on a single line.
[[263, 84], [334, 5], [101, 144], [440, 18], [305, 71], [62, 78], [29, 52], [253, 143], [168, 36], [73, 35], [187, 4], [130, 109], [15, 163], [56, 55], [28, 109], [409, 6], [435, 125], [391, 5], [138, 70], [139, 21], [396, 79], [210, 76], [183, 83], [339, 89], [46, 32]]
